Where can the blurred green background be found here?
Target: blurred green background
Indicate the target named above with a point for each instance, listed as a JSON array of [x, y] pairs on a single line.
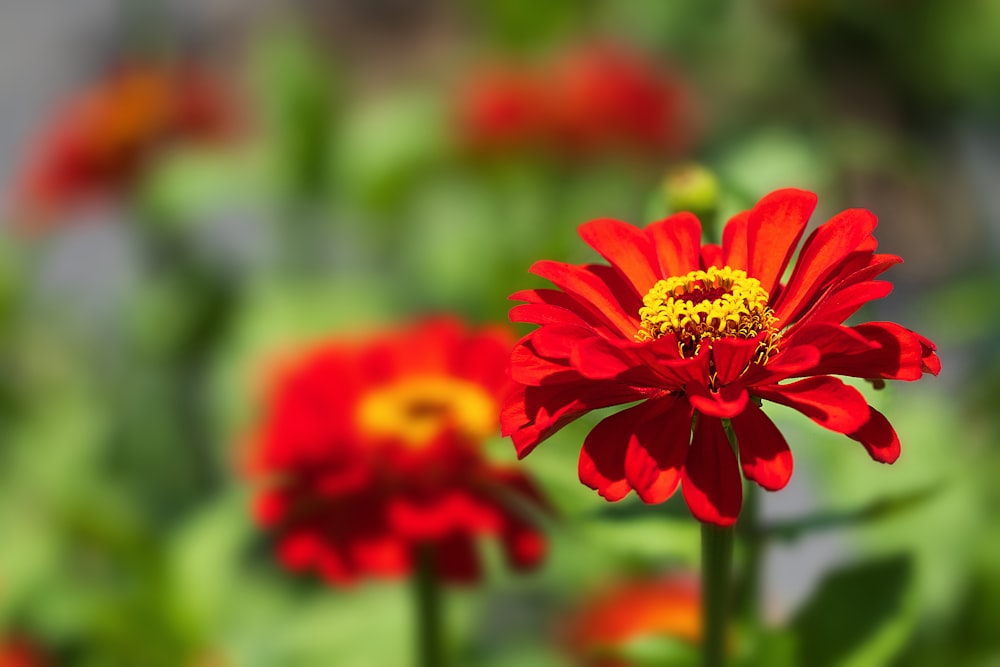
[[136, 325]]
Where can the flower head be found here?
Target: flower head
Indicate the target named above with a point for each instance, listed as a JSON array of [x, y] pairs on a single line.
[[18, 651], [700, 336], [594, 99], [626, 611], [101, 139], [371, 450]]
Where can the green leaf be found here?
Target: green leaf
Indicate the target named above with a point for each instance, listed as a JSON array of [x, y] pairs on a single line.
[[857, 616]]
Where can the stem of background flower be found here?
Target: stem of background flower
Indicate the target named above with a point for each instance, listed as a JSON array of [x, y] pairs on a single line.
[[716, 576], [427, 593]]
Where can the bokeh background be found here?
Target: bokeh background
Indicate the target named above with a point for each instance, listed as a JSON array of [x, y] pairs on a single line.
[[356, 163]]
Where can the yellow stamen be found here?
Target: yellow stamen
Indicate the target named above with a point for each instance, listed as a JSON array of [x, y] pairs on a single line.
[[708, 305], [416, 410]]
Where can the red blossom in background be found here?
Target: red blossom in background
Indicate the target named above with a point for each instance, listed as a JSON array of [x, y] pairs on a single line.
[[100, 141], [371, 450], [21, 652], [594, 100], [699, 334], [603, 625]]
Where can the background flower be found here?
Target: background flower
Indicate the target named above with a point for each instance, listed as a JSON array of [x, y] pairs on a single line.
[[372, 449]]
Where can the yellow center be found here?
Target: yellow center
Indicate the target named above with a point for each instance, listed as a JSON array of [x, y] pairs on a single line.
[[416, 410], [707, 305]]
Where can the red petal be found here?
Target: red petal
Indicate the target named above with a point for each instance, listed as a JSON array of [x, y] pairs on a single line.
[[543, 313], [526, 367], [825, 248], [711, 483], [627, 248], [878, 437], [734, 241], [602, 458], [796, 360], [677, 242], [711, 255], [560, 299], [840, 305], [532, 414], [732, 356], [872, 350], [824, 399], [774, 227], [582, 282], [657, 450], [764, 454], [725, 403], [929, 361]]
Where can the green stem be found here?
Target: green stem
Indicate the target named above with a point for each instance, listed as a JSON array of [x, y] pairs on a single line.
[[716, 567], [427, 593], [752, 547]]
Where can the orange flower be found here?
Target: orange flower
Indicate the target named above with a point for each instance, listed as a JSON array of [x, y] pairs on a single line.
[[371, 450], [99, 142], [668, 607]]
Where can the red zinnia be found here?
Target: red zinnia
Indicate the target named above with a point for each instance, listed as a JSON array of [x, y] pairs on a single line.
[[373, 451], [606, 98], [102, 138], [700, 334]]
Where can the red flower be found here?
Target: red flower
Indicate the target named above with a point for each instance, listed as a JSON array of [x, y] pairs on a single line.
[[596, 99], [21, 652], [701, 334], [372, 451], [604, 98], [501, 109], [627, 611], [101, 140]]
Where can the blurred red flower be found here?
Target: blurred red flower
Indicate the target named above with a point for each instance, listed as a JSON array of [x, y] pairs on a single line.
[[700, 335], [641, 608], [371, 450], [21, 652], [501, 109], [595, 99], [100, 141], [604, 98]]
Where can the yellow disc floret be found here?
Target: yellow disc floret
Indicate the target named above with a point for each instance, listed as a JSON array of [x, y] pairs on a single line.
[[707, 305], [415, 410]]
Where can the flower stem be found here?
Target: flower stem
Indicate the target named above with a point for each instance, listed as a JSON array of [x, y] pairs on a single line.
[[716, 567], [427, 594]]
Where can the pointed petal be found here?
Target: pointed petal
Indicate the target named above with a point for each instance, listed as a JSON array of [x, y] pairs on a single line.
[[733, 355], [764, 453], [725, 403], [531, 414], [677, 242], [657, 451], [840, 305], [627, 248], [711, 255], [825, 248], [774, 227], [602, 458], [589, 289], [824, 399], [878, 437], [734, 241], [711, 482]]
